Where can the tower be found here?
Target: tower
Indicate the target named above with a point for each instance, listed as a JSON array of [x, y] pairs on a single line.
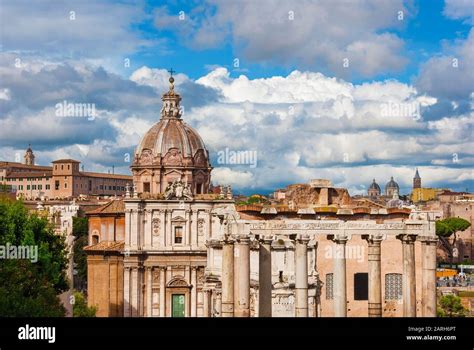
[[29, 156], [417, 180]]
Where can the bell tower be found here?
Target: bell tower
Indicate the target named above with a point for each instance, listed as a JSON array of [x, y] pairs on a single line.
[[29, 156]]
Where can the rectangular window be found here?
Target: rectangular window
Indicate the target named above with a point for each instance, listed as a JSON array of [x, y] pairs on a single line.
[[178, 235], [329, 286], [56, 185], [27, 187], [65, 185], [361, 286], [393, 286], [40, 187], [47, 187], [146, 187]]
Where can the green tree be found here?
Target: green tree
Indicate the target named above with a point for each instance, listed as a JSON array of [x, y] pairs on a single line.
[[30, 288], [80, 229], [448, 228], [450, 306], [80, 308]]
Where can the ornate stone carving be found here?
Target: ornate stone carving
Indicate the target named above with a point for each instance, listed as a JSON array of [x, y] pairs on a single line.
[[178, 190], [146, 157], [156, 223], [201, 223], [173, 157], [156, 276]]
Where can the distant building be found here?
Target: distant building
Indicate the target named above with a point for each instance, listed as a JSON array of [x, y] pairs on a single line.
[[417, 180], [374, 189], [391, 187], [61, 180]]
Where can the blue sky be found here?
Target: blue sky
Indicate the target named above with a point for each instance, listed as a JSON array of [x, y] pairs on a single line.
[[310, 94]]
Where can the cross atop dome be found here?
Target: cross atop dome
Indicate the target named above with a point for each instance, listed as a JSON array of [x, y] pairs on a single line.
[[171, 100]]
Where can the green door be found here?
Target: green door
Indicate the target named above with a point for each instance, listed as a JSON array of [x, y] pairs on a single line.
[[178, 305]]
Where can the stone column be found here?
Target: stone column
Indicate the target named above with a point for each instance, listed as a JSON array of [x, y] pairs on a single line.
[[218, 309], [147, 232], [193, 291], [301, 278], [242, 276], [126, 292], [187, 233], [162, 291], [134, 292], [194, 228], [168, 233], [162, 228], [339, 277], [428, 252], [206, 312], [227, 277], [149, 292], [409, 280], [375, 274], [265, 278]]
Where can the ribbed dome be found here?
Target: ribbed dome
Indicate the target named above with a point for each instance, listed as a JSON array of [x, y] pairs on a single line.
[[171, 141], [391, 184], [171, 151], [374, 186], [173, 137]]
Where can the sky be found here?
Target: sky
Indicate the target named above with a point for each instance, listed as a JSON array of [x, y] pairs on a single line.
[[347, 90]]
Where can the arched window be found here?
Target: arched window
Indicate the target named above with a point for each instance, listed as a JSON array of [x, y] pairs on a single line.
[[95, 239]]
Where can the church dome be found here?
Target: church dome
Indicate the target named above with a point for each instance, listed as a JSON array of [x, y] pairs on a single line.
[[171, 150], [374, 186], [171, 142], [391, 187]]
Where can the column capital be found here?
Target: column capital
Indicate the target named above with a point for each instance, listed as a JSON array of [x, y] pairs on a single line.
[[302, 238], [266, 240], [339, 238], [243, 239], [228, 239], [428, 239], [407, 238], [376, 238]]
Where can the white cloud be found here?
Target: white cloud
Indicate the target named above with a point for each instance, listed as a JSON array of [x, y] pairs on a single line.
[[309, 33], [459, 9]]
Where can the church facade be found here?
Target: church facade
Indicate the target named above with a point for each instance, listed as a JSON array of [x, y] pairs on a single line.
[[188, 253]]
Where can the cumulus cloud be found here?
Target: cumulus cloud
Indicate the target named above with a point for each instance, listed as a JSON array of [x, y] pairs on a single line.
[[82, 29], [312, 34], [459, 9], [301, 126]]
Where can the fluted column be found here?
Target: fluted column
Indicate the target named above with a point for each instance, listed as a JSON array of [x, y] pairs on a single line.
[[339, 276], [301, 278], [242, 276], [428, 252], [194, 291], [227, 277], [409, 280], [265, 277], [162, 291], [375, 274], [149, 292]]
